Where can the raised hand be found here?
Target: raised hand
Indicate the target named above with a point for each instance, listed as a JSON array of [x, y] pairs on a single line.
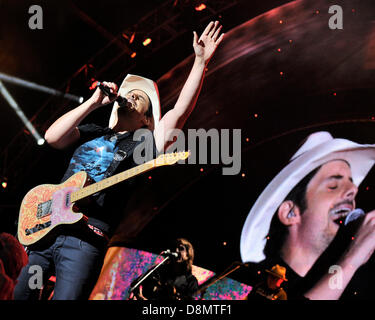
[[99, 98], [205, 46]]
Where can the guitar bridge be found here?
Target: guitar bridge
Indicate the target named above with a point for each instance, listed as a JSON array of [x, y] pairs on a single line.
[[44, 209]]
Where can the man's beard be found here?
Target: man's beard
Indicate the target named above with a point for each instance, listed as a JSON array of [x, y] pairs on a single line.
[[124, 111], [324, 241]]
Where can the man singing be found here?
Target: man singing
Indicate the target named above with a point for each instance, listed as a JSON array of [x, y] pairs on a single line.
[[297, 217], [77, 256]]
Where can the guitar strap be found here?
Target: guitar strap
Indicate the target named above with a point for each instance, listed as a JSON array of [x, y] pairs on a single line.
[[126, 146]]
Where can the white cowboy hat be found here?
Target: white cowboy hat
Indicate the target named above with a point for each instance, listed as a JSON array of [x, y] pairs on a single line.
[[319, 148], [132, 82]]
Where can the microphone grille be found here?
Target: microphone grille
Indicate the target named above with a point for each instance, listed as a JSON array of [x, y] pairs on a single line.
[[354, 215]]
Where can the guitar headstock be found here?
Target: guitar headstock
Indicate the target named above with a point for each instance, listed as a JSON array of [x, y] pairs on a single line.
[[171, 158]]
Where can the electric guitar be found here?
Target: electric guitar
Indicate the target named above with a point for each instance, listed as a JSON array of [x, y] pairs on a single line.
[[47, 206]]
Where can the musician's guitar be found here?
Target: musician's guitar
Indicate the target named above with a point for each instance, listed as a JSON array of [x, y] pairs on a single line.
[[48, 206]]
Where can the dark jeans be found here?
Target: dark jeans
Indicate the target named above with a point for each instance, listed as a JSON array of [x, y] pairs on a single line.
[[76, 264]]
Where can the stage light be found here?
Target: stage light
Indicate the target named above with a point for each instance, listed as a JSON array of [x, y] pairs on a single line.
[[132, 38], [93, 84], [146, 42], [4, 184], [133, 55], [200, 7], [20, 113], [41, 141], [34, 86]]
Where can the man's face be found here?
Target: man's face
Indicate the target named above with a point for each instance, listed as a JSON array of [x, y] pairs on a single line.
[[139, 100], [183, 253], [274, 282], [330, 195], [137, 106]]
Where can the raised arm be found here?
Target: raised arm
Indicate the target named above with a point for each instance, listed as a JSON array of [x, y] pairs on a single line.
[[204, 48], [63, 132]]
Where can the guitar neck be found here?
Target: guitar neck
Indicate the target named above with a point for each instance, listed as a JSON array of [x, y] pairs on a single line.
[[108, 182]]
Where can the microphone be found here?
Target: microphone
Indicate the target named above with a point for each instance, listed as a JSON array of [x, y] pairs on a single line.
[[169, 253], [107, 91], [354, 215], [352, 221]]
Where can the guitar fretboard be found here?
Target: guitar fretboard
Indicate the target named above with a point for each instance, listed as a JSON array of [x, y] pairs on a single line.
[[108, 182]]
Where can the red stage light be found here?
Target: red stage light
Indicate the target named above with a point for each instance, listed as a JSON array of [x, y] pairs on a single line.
[[133, 55], [132, 38], [4, 184], [93, 85]]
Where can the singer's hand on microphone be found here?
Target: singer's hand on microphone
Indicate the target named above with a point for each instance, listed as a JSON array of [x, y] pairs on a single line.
[[363, 242], [100, 99]]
